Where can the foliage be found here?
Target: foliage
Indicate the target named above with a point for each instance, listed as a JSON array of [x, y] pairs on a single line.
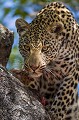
[[10, 10]]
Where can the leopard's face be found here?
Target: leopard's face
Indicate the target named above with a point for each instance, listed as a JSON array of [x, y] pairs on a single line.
[[46, 37]]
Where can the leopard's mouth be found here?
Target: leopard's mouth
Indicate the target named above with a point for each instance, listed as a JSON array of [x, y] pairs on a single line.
[[35, 73]]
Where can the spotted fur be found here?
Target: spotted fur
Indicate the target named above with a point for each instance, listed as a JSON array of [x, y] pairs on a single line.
[[50, 48]]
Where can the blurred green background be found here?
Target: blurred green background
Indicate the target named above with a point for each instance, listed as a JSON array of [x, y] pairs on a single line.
[[10, 10]]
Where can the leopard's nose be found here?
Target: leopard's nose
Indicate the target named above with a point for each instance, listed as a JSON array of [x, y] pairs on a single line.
[[33, 67]]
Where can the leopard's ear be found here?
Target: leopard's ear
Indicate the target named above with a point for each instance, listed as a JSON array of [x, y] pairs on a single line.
[[21, 25]]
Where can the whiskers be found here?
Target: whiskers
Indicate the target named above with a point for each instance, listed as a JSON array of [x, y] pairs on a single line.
[[42, 67], [49, 70], [53, 73]]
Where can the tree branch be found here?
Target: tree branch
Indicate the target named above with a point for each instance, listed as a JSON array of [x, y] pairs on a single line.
[[6, 42]]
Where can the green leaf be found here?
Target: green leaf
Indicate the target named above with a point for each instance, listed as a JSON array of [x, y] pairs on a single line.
[[20, 12], [7, 10], [23, 1]]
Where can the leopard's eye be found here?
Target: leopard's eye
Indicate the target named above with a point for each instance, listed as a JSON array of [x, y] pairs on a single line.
[[26, 48], [44, 48]]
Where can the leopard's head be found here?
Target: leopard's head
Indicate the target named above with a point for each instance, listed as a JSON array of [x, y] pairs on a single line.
[[46, 37]]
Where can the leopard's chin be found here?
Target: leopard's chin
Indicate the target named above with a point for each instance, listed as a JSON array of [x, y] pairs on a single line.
[[35, 75]]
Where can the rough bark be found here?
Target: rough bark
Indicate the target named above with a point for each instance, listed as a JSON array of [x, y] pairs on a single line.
[[6, 42], [16, 101]]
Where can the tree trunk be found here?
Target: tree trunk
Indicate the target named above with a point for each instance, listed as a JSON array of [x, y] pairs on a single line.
[[16, 101]]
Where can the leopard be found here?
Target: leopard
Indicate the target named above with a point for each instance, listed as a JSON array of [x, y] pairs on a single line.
[[49, 46]]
